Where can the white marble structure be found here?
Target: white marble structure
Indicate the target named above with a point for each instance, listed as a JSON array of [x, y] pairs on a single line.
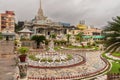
[[41, 25]]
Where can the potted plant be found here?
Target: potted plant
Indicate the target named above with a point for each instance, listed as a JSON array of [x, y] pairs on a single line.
[[23, 51]]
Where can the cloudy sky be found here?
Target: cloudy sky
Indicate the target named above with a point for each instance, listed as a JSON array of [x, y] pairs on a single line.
[[94, 12]]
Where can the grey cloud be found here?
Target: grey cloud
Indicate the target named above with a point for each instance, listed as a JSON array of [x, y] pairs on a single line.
[[94, 12]]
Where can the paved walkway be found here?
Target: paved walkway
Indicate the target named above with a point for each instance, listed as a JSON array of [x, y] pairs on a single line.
[[7, 63], [113, 57], [6, 47], [93, 64], [7, 67]]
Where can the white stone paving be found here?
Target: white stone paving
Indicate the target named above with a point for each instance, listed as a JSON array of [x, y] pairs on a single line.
[[93, 64]]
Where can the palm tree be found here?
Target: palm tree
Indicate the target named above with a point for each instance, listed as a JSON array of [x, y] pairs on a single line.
[[112, 33], [38, 39]]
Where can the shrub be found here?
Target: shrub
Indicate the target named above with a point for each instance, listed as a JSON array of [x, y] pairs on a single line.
[[69, 57], [32, 57], [57, 60], [50, 60], [1, 36], [43, 59], [23, 50]]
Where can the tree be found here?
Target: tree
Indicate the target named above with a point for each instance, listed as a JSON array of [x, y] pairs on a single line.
[[18, 26], [38, 39], [53, 36], [68, 37], [79, 38], [112, 34]]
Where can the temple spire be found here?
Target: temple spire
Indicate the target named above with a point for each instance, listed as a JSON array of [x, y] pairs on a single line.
[[40, 5], [40, 15]]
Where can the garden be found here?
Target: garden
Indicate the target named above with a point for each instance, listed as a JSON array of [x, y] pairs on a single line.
[[48, 59], [115, 64]]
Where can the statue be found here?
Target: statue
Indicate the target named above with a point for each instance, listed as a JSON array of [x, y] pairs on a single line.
[[51, 46]]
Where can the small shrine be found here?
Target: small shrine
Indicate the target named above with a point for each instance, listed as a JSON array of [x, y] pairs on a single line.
[[25, 33], [8, 35]]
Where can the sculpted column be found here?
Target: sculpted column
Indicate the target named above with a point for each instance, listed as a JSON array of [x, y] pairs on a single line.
[[23, 70]]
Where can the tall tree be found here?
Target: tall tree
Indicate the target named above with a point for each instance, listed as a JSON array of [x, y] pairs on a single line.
[[79, 38], [112, 33], [18, 26], [38, 39], [68, 37]]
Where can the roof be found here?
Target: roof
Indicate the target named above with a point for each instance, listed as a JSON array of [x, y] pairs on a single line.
[[8, 33], [25, 30], [10, 12]]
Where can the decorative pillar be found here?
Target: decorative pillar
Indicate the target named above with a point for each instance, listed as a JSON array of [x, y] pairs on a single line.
[[23, 70]]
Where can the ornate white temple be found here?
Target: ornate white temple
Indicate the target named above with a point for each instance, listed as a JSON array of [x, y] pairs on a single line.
[[41, 25]]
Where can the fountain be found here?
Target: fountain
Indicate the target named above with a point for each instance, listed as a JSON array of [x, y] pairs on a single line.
[[54, 59], [51, 46]]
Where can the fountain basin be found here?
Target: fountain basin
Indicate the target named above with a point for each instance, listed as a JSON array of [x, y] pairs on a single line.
[[56, 60]]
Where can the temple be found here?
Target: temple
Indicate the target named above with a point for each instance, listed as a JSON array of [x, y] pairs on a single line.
[[41, 25], [40, 15]]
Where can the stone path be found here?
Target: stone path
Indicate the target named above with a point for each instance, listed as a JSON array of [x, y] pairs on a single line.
[[6, 47], [7, 63], [94, 64], [113, 57], [7, 67]]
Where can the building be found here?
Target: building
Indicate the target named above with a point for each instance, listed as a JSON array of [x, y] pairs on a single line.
[[8, 35], [42, 25], [82, 26], [89, 33], [92, 33], [7, 21], [65, 24], [7, 25], [25, 33]]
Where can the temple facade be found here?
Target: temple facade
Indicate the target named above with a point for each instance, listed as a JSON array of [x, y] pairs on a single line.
[[41, 25]]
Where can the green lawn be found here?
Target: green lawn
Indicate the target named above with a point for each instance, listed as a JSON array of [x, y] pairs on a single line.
[[115, 64], [72, 47], [116, 54], [57, 48], [115, 68], [109, 58]]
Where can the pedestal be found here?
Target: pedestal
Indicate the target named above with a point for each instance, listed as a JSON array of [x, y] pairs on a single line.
[[23, 70]]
